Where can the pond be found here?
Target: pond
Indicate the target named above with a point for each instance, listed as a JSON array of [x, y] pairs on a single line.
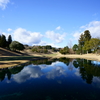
[[51, 79]]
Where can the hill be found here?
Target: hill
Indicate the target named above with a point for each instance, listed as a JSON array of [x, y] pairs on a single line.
[[5, 52]]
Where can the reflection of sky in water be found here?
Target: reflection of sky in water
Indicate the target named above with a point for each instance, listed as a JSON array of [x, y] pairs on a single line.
[[56, 69], [57, 79], [36, 71], [77, 73], [96, 82], [52, 71], [96, 62]]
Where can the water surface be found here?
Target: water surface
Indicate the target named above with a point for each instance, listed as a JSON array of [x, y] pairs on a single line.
[[58, 79]]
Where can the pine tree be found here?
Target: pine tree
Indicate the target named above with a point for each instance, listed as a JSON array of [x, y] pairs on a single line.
[[81, 40], [3, 41], [84, 38], [9, 40], [87, 35]]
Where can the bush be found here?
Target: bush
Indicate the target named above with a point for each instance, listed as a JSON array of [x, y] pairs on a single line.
[[65, 50], [15, 45]]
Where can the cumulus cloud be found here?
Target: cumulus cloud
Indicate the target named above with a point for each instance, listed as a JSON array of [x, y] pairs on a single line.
[[9, 29], [76, 35], [93, 27], [56, 37], [58, 28], [27, 37], [3, 3]]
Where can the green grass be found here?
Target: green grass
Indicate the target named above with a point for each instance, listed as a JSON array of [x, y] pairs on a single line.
[[16, 58]]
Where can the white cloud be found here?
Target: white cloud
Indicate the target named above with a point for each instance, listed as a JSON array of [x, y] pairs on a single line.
[[76, 35], [3, 3], [9, 29], [58, 28], [56, 37], [93, 27], [27, 37]]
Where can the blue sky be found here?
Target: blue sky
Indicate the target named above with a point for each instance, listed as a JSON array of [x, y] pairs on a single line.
[[49, 22]]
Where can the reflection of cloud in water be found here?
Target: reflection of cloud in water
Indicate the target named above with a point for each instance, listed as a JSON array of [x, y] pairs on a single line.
[[57, 71], [96, 82], [77, 72], [57, 63], [27, 73], [33, 71], [42, 66], [71, 66]]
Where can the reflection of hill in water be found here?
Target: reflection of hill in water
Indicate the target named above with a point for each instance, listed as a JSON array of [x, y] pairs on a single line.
[[86, 68]]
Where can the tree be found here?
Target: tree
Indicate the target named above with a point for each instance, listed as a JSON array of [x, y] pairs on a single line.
[[15, 45], [65, 50], [81, 41], [3, 41], [9, 40], [0, 40], [94, 44], [87, 35], [75, 47], [86, 46], [84, 38]]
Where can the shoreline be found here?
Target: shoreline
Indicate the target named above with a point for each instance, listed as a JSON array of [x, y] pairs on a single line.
[[10, 63], [83, 56]]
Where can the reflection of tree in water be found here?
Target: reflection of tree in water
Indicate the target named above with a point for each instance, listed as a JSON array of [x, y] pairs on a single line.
[[2, 75], [43, 61], [65, 60], [8, 72], [4, 72], [16, 69], [87, 69]]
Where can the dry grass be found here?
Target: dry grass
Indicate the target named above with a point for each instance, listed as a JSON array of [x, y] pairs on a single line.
[[5, 64], [10, 63], [58, 55], [84, 56]]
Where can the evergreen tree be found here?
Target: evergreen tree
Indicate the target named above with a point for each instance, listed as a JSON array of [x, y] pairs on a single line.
[[87, 35], [9, 40], [84, 38], [3, 41], [94, 44], [0, 40], [81, 42], [87, 38]]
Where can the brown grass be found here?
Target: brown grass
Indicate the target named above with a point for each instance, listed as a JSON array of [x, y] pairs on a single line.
[[5, 64]]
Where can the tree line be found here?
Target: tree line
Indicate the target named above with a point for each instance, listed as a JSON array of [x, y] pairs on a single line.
[[87, 44], [44, 49], [3, 42], [9, 44]]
